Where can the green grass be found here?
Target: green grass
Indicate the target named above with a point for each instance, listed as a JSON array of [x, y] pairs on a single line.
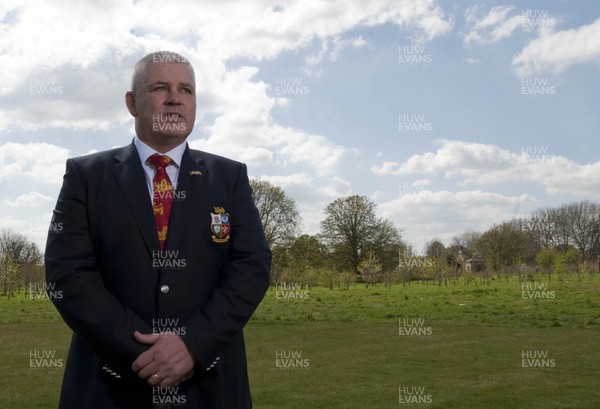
[[362, 366], [356, 357], [576, 304], [22, 386]]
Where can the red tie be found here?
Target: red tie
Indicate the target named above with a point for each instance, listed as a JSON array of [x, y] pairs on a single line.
[[162, 195]]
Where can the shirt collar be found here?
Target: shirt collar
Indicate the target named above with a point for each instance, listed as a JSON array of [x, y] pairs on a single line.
[[146, 151]]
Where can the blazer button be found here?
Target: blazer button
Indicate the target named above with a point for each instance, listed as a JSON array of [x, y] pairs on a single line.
[[164, 289]]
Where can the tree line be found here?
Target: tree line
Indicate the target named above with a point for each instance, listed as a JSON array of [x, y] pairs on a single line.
[[355, 245]]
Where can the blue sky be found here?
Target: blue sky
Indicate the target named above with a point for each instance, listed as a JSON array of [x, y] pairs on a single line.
[[497, 116]]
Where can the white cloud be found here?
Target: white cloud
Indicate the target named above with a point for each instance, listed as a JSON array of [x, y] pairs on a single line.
[[338, 187], [34, 225], [26, 52], [286, 146], [338, 45], [552, 52], [31, 199], [289, 181], [492, 27], [88, 73], [312, 61], [444, 214], [313, 201], [40, 162], [11, 222], [87, 61], [497, 15], [309, 191], [489, 164], [311, 195], [376, 195], [557, 51]]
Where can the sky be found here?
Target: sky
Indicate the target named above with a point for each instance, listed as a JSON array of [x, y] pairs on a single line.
[[449, 115]]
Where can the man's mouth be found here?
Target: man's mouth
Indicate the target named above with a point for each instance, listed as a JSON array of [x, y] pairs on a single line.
[[171, 116]]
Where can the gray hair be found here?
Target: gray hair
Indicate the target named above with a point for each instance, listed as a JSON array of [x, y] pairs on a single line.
[[157, 57]]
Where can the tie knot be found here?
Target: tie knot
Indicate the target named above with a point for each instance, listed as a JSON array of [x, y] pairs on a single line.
[[160, 161]]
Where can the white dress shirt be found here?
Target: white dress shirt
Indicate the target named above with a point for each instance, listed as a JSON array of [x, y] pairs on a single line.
[[172, 170]]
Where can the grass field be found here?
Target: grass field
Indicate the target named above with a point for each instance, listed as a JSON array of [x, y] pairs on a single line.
[[446, 347]]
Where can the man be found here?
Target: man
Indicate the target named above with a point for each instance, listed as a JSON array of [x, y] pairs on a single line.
[[160, 259]]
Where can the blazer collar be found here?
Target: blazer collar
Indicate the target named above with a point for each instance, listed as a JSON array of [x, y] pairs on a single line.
[[192, 176], [130, 175]]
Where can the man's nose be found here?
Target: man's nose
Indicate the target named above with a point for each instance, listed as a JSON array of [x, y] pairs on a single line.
[[173, 97]]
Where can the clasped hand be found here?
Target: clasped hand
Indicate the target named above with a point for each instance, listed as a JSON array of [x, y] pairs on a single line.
[[166, 363]]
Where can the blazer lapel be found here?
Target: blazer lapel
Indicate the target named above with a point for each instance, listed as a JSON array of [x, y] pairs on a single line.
[[192, 176], [130, 175]]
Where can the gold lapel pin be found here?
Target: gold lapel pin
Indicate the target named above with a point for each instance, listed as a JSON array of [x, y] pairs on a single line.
[[195, 173]]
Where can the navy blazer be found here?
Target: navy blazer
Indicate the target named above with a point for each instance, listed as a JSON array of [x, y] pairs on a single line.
[[103, 255]]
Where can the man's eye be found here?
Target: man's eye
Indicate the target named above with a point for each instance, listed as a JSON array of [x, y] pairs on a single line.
[[187, 90], [160, 88]]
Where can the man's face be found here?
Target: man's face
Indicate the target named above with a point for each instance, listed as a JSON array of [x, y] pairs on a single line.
[[164, 104]]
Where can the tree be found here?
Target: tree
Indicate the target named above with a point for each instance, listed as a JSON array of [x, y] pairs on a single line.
[[582, 225], [438, 254], [31, 266], [306, 252], [545, 259], [502, 245], [278, 213], [9, 270], [466, 241], [14, 243], [385, 245], [303, 258], [369, 268], [435, 249], [350, 228], [27, 258], [566, 261], [541, 227]]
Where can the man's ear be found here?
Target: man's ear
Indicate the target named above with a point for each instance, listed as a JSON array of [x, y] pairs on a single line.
[[130, 102]]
